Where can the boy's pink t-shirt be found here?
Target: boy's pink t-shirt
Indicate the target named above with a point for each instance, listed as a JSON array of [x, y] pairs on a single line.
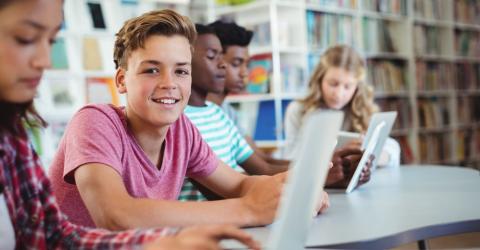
[[99, 134]]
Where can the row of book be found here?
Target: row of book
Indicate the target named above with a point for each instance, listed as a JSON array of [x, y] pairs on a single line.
[[434, 75], [293, 79], [467, 43], [431, 9], [468, 76], [468, 144], [387, 76], [377, 36], [402, 106], [467, 11], [63, 92], [351, 4], [427, 40], [435, 148], [261, 34], [260, 73], [397, 7], [468, 110], [406, 153], [95, 54], [325, 30], [433, 113]]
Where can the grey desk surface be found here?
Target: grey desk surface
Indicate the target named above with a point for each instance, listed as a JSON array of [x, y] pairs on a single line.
[[397, 206]]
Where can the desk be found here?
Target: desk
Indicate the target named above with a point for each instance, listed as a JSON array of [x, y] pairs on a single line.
[[398, 206]]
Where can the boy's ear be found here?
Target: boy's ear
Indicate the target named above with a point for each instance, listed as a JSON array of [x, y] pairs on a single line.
[[120, 81]]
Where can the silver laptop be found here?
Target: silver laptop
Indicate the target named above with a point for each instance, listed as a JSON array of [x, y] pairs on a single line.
[[304, 183]]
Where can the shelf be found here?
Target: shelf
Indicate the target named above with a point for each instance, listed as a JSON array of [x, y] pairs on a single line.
[[292, 96], [434, 93], [331, 9], [471, 125], [384, 16], [467, 59], [467, 26], [184, 2], [433, 22], [255, 5], [403, 94], [436, 57], [59, 73], [386, 55], [468, 92], [256, 50], [400, 132], [250, 97], [444, 129], [100, 74]]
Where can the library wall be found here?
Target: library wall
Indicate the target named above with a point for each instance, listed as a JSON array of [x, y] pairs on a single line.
[[423, 60]]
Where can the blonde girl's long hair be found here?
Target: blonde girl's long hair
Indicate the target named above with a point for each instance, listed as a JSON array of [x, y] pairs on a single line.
[[362, 105]]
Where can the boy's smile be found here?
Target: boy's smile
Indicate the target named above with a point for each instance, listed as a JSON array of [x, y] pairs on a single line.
[[158, 80]]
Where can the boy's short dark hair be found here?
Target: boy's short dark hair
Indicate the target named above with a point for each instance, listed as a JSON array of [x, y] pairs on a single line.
[[204, 29], [230, 34]]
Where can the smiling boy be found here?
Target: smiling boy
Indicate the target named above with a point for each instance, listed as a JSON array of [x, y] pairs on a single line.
[[123, 167]]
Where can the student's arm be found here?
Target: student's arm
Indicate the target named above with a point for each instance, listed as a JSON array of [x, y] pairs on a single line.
[[256, 165], [264, 156], [390, 155], [111, 207]]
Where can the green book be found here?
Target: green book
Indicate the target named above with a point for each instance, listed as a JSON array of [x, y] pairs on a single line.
[[59, 54]]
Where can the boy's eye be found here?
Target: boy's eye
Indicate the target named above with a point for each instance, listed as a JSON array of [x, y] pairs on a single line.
[[24, 41], [211, 54], [182, 72], [151, 71]]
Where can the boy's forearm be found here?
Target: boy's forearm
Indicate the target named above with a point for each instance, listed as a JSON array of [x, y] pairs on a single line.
[[147, 213]]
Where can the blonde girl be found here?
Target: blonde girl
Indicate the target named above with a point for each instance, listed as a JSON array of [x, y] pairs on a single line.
[[338, 82]]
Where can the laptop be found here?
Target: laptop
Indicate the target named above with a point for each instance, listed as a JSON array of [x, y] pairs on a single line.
[[305, 181], [378, 130]]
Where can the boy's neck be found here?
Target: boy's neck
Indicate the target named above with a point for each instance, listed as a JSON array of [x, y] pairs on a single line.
[[217, 98], [149, 138], [197, 97]]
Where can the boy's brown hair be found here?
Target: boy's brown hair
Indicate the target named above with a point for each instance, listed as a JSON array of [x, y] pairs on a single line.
[[158, 22]]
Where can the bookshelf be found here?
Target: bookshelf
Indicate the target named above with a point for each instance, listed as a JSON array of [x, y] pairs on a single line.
[[423, 59], [82, 63]]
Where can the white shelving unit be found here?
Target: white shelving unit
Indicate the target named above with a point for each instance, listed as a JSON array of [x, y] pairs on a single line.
[[291, 44]]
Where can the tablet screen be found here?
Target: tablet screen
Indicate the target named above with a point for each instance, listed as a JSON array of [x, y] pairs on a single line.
[[370, 147]]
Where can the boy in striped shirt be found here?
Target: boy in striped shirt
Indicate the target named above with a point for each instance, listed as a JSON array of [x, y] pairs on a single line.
[[216, 128]]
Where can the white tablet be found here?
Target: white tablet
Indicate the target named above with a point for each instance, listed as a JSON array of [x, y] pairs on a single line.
[[371, 145], [385, 118]]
